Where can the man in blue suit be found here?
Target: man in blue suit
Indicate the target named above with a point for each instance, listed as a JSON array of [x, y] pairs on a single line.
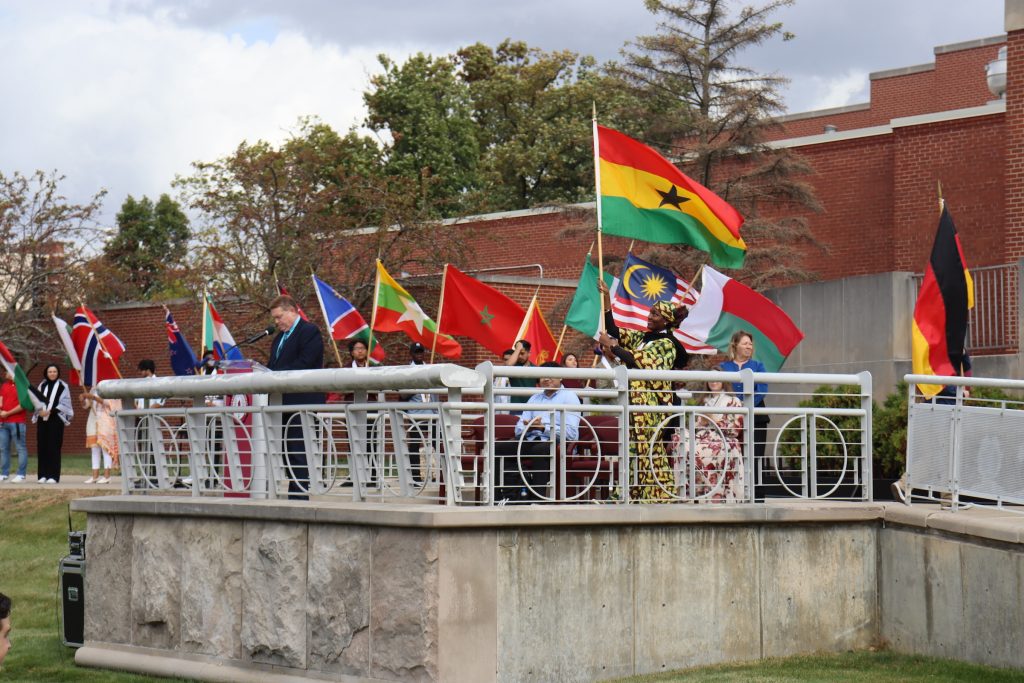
[[297, 346]]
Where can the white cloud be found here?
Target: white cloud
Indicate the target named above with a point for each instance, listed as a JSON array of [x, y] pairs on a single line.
[[838, 91], [126, 102]]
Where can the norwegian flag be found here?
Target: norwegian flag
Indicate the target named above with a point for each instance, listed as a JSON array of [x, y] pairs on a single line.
[[97, 348]]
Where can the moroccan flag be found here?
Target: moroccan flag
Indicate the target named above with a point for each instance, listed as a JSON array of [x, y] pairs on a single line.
[[397, 311], [344, 320], [725, 306], [97, 348], [585, 311], [64, 333], [183, 358], [482, 313], [536, 331], [26, 398], [216, 336], [645, 197], [940, 315], [284, 292]]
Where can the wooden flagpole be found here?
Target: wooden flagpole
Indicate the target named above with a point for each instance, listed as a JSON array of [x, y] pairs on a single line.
[[440, 312], [558, 346], [373, 312]]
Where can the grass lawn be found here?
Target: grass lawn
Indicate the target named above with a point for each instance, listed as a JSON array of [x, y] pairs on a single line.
[[33, 538]]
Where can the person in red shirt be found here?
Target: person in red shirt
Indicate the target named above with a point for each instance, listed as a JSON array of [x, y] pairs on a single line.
[[12, 429]]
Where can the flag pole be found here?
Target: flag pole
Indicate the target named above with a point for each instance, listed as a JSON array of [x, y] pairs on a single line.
[[558, 346], [323, 312], [692, 282], [373, 313], [597, 197], [440, 312]]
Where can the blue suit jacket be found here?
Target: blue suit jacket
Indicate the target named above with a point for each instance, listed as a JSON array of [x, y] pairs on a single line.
[[304, 350]]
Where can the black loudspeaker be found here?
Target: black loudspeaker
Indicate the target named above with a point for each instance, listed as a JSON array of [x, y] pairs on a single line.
[[72, 600]]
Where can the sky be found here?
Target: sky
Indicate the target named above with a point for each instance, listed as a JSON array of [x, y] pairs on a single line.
[[125, 94]]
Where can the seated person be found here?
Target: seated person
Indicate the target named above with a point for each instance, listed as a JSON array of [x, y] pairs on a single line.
[[535, 432]]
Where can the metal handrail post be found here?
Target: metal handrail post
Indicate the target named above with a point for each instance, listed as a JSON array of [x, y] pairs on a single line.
[[747, 378]]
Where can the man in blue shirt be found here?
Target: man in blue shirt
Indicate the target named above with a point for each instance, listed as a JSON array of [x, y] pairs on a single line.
[[538, 428]]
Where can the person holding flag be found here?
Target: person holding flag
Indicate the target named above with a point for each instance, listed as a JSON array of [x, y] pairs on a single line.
[[654, 349], [12, 429]]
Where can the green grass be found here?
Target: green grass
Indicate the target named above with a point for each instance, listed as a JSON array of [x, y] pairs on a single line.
[[848, 667], [34, 538]]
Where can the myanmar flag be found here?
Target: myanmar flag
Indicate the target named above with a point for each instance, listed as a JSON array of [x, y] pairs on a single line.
[[645, 197], [26, 398], [472, 309], [940, 315], [397, 311], [725, 306]]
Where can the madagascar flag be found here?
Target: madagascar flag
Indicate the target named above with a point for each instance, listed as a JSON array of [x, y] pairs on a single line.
[[645, 197], [397, 311], [472, 309], [940, 316], [726, 306]]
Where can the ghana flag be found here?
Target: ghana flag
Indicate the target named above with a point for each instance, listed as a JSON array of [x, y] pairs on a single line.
[[645, 197], [940, 315], [725, 306]]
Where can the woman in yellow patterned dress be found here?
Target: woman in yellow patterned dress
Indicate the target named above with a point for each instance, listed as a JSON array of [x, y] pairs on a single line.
[[655, 349]]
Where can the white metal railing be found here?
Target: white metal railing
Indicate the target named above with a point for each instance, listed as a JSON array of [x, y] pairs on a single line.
[[992, 323], [961, 445], [632, 442]]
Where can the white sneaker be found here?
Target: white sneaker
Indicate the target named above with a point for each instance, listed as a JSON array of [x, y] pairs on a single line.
[[103, 480], [17, 479], [51, 480], [3, 477], [90, 480]]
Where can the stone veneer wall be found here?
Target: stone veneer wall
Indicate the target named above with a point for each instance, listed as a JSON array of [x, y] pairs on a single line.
[[415, 593]]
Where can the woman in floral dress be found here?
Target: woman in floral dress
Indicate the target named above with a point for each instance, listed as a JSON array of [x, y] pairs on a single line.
[[718, 451], [652, 350]]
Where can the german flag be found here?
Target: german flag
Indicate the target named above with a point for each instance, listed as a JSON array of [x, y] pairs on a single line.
[[940, 315], [645, 197]]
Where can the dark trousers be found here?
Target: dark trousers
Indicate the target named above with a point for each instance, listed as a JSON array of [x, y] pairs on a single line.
[[536, 465], [295, 457], [50, 439]]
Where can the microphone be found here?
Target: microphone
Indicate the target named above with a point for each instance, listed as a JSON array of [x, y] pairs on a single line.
[[256, 337]]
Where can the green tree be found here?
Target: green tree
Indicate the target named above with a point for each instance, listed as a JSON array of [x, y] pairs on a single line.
[[146, 256], [318, 202], [424, 107], [46, 242], [533, 111], [714, 113]]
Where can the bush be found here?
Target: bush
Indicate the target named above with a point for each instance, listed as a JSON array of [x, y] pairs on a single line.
[[889, 427], [830, 450]]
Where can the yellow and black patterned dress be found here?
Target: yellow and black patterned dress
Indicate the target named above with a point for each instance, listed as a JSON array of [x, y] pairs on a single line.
[[654, 475]]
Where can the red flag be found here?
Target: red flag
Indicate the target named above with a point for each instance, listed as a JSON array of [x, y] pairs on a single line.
[[482, 313], [536, 331], [98, 348], [284, 292]]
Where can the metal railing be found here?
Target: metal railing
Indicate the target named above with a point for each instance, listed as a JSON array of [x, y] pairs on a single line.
[[992, 323], [630, 435], [963, 446]]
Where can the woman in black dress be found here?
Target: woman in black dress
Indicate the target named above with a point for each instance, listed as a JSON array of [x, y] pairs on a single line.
[[50, 421]]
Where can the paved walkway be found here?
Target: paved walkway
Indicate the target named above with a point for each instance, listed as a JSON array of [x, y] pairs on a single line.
[[67, 481]]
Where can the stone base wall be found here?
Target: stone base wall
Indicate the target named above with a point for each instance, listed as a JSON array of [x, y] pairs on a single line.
[[391, 593]]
